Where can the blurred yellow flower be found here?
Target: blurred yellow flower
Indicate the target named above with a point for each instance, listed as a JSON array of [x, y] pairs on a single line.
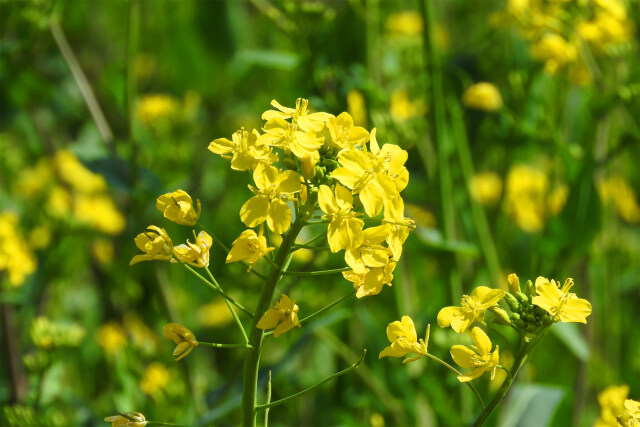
[[243, 150], [142, 337], [40, 237], [405, 23], [482, 96], [562, 305], [71, 171], [59, 201], [156, 245], [402, 108], [249, 247], [611, 401], [155, 378], [372, 280], [479, 357], [472, 309], [111, 337], [34, 180], [214, 315], [404, 340], [16, 257], [555, 52], [127, 419], [614, 190], [284, 315], [195, 254], [102, 251], [178, 207], [486, 188], [99, 212], [48, 334], [344, 230], [631, 414], [183, 337], [356, 106], [155, 107]]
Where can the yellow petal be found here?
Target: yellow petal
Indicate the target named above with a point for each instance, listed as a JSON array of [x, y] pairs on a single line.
[[289, 182], [278, 216], [463, 356], [344, 198], [270, 319], [575, 310], [326, 200], [476, 373], [482, 341], [254, 211], [485, 297]]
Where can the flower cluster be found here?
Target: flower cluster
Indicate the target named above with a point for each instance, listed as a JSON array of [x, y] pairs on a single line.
[[616, 409], [16, 256]]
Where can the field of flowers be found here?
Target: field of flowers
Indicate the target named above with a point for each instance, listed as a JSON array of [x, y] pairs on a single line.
[[305, 212]]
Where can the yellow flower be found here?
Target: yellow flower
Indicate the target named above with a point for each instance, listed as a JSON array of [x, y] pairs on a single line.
[[344, 134], [473, 307], [482, 96], [59, 201], [631, 415], [513, 283], [345, 230], [557, 199], [284, 315], [611, 401], [372, 280], [376, 176], [402, 108], [300, 116], [561, 304], [280, 133], [155, 243], [40, 237], [99, 212], [183, 337], [370, 253], [486, 188], [16, 257], [73, 172], [404, 340], [111, 337], [555, 51], [356, 107], [269, 203], [33, 180], [214, 315], [615, 190], [195, 254], [405, 23], [102, 251], [248, 246], [178, 207], [479, 358], [127, 419], [156, 377], [398, 226], [247, 153], [156, 107]]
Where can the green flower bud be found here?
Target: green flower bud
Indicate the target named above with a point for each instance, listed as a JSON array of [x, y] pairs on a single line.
[[521, 324], [530, 289], [515, 316], [522, 298], [318, 173], [501, 315], [512, 302]]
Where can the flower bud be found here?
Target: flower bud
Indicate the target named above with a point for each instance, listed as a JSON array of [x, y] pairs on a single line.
[[522, 298], [512, 302], [514, 283], [501, 315], [530, 289]]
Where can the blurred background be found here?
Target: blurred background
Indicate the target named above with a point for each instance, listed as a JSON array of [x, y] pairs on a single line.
[[105, 105]]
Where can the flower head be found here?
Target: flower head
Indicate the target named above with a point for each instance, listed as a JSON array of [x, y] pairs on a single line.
[[404, 340], [182, 336], [561, 304], [472, 309], [248, 246], [486, 188], [156, 377], [631, 415], [371, 281], [370, 253], [178, 207], [611, 401], [155, 243], [127, 419], [284, 315], [244, 150], [398, 226], [478, 357], [300, 116], [345, 230], [195, 254], [344, 134], [15, 254], [482, 96]]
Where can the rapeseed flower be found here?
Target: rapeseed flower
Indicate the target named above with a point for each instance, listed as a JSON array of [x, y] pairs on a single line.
[[195, 254], [99, 212], [402, 108], [478, 357], [243, 150], [300, 116], [178, 207], [611, 401], [404, 340], [71, 171], [288, 136], [215, 314], [356, 106], [344, 134], [249, 247], [405, 23], [555, 52], [156, 377], [631, 415], [183, 337], [561, 304], [398, 226], [372, 280], [111, 337], [283, 316], [127, 419], [155, 243], [154, 107], [482, 96], [486, 188], [370, 253], [344, 230], [274, 188], [473, 308], [16, 257], [616, 191]]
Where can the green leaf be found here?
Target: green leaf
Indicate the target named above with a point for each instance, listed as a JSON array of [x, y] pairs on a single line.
[[530, 405], [569, 335]]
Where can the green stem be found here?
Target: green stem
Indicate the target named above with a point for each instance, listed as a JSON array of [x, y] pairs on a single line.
[[252, 362], [455, 371], [225, 296], [315, 248], [313, 239], [233, 312], [315, 273], [521, 358], [322, 310], [217, 345], [266, 411], [160, 423], [293, 396]]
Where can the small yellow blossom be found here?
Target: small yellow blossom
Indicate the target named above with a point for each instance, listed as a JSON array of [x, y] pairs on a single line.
[[152, 108], [482, 96], [473, 308], [282, 134], [344, 134], [16, 257], [370, 253], [214, 315], [631, 414], [111, 337], [404, 340], [155, 243], [284, 315], [372, 280], [611, 401], [243, 150], [156, 377], [183, 337], [195, 254], [402, 108], [99, 212], [615, 190], [73, 172], [555, 51], [561, 304], [557, 199], [102, 251], [405, 23], [59, 201], [398, 226], [127, 419], [486, 188], [479, 358], [357, 107], [178, 207], [40, 237], [274, 188], [32, 181], [300, 116], [344, 230], [248, 246]]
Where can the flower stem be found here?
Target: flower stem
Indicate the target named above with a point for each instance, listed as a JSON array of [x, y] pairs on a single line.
[[217, 345], [252, 362], [315, 273], [225, 296], [293, 396], [455, 371], [322, 310], [266, 411], [233, 312]]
